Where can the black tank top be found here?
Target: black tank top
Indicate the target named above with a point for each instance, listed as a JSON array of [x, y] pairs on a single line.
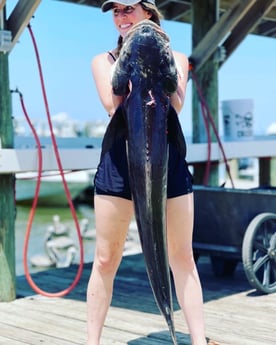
[[114, 58], [112, 55]]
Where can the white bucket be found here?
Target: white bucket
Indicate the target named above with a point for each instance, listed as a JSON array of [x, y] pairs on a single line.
[[238, 119]]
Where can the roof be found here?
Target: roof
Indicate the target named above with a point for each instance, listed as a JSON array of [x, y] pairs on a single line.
[[181, 11], [236, 19]]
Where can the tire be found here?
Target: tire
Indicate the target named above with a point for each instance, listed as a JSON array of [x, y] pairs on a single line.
[[259, 252]]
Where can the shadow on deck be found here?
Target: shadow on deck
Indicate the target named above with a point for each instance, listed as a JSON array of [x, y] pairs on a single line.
[[132, 281], [233, 310]]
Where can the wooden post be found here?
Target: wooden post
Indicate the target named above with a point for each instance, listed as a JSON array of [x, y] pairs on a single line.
[[204, 15], [273, 172], [7, 182], [265, 171]]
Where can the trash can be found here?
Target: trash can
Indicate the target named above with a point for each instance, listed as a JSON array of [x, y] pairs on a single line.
[[237, 119]]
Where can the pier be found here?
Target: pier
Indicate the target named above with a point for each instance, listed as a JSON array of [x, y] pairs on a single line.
[[235, 313]]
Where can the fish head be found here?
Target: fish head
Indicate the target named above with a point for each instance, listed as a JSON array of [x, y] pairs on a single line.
[[145, 60]]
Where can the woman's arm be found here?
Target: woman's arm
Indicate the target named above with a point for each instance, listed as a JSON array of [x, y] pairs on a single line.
[[101, 70], [178, 97]]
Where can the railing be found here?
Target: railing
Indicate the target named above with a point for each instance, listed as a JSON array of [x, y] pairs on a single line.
[[81, 153]]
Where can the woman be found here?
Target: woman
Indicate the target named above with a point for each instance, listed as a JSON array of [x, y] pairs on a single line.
[[113, 205]]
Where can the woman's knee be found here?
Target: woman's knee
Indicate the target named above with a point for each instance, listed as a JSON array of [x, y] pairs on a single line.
[[107, 263], [182, 258]]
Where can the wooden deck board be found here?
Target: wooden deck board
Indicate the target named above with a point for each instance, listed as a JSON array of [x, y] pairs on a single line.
[[235, 314]]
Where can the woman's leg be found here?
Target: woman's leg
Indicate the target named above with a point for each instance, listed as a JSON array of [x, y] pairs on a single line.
[[180, 214], [112, 217]]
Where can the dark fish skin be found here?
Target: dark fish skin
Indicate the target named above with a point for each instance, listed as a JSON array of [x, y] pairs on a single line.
[[146, 67]]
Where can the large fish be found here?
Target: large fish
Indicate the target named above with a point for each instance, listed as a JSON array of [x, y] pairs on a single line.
[[146, 71]]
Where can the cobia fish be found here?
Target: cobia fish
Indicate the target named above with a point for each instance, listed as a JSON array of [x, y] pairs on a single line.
[[147, 74]]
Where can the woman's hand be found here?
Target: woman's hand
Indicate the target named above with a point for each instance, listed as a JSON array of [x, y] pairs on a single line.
[[103, 65]]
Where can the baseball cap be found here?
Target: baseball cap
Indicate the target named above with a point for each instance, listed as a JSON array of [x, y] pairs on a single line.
[[107, 5]]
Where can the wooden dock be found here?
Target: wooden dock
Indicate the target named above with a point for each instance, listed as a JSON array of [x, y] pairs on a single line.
[[235, 313]]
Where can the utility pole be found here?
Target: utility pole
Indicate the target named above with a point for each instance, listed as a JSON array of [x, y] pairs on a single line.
[[204, 16], [7, 183]]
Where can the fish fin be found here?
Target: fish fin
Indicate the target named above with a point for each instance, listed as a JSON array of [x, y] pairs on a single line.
[[116, 129], [121, 74], [175, 133]]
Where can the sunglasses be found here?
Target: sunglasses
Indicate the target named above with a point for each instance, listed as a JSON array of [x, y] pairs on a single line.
[[125, 10]]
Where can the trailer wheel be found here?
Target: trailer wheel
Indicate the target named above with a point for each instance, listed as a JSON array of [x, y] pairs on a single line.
[[259, 252], [223, 267]]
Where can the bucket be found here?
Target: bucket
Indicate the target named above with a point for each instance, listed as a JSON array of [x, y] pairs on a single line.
[[238, 119]]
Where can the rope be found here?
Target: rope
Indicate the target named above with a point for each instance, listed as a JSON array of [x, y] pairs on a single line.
[[35, 200], [207, 116]]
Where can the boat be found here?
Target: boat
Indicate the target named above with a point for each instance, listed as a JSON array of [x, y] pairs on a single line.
[[52, 191], [69, 135], [271, 129]]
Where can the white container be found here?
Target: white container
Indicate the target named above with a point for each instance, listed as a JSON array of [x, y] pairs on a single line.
[[238, 119]]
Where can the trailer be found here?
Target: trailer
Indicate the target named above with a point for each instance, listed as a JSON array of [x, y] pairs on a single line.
[[233, 225]]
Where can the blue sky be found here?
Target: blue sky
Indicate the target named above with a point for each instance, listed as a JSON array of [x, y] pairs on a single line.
[[69, 35]]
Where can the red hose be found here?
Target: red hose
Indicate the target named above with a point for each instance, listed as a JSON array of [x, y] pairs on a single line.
[[66, 189], [208, 163], [207, 116]]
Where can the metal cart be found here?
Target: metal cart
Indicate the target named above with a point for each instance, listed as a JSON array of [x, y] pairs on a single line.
[[236, 224]]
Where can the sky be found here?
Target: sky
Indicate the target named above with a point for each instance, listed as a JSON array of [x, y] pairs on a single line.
[[68, 36]]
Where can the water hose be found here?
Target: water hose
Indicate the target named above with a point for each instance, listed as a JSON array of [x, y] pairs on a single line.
[[207, 116], [29, 278]]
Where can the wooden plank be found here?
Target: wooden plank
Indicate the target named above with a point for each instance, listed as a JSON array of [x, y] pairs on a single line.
[[7, 239], [7, 202], [43, 326], [265, 171], [2, 4], [9, 340], [244, 26], [180, 10], [20, 17], [223, 299], [15, 336], [204, 18], [22, 160], [217, 32], [234, 313]]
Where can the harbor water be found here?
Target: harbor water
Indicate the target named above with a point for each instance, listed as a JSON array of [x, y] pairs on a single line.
[[42, 221]]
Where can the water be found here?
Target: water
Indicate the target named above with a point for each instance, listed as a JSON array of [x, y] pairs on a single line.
[[42, 220]]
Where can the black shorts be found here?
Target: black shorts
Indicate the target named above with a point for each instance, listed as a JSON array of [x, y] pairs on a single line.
[[112, 176]]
